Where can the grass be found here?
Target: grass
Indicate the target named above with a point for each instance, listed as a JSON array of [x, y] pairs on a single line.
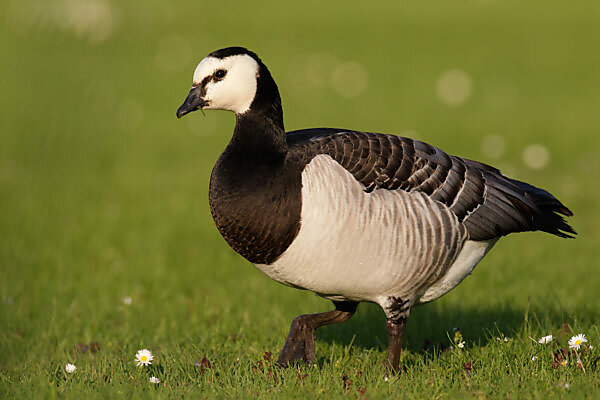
[[104, 195]]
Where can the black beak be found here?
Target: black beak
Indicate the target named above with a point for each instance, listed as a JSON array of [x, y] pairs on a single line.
[[192, 102]]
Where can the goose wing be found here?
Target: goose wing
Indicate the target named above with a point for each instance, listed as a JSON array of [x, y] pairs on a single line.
[[486, 201]]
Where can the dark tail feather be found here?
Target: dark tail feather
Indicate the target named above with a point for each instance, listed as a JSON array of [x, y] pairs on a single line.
[[549, 216]]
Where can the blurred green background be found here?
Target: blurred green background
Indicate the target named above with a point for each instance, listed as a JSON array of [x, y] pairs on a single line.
[[103, 192]]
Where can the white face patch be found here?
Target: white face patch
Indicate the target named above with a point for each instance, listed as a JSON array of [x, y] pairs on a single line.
[[236, 91]]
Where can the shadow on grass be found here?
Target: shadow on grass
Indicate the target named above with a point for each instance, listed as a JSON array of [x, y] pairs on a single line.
[[432, 325]]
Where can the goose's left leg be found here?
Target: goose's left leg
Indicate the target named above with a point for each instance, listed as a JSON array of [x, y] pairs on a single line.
[[300, 343], [397, 311]]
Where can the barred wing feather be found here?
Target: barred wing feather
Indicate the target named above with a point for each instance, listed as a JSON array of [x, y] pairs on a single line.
[[486, 201]]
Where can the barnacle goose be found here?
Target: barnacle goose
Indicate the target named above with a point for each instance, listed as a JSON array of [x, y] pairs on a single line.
[[352, 216]]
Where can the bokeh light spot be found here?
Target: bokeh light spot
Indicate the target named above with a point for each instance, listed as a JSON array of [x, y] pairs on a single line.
[[493, 146], [349, 79], [536, 156], [454, 87], [91, 19]]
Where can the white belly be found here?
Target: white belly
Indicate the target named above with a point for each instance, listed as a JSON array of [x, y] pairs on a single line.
[[470, 255], [367, 246]]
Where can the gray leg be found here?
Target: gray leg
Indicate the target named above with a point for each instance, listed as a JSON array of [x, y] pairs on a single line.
[[300, 343]]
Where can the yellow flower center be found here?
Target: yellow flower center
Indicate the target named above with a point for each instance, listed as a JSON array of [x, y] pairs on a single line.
[[143, 358], [577, 342]]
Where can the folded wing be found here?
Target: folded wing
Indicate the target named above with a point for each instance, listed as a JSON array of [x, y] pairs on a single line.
[[487, 202]]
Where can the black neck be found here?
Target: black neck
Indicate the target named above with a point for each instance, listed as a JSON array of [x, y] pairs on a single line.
[[260, 131], [258, 135]]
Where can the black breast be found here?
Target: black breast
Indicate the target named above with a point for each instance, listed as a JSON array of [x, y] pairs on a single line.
[[256, 203]]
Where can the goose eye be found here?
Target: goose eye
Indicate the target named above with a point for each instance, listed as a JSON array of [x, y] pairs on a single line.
[[220, 74]]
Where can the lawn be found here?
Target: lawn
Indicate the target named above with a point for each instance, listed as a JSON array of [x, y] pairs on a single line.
[[107, 245]]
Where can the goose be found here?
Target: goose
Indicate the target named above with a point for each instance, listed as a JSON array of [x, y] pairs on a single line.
[[351, 216]]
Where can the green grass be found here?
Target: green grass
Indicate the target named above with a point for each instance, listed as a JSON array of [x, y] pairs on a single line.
[[103, 194]]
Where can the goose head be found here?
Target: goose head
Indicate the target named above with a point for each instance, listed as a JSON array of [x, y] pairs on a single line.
[[232, 79]]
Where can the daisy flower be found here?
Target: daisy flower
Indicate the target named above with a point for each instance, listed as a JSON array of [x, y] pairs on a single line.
[[70, 368], [546, 339], [576, 341], [127, 300], [461, 345], [534, 358], [154, 379], [143, 357]]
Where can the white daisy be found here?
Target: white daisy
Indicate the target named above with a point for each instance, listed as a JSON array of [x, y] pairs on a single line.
[[546, 339], [461, 345], [70, 368], [534, 358], [154, 379], [576, 341], [144, 357], [127, 300]]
